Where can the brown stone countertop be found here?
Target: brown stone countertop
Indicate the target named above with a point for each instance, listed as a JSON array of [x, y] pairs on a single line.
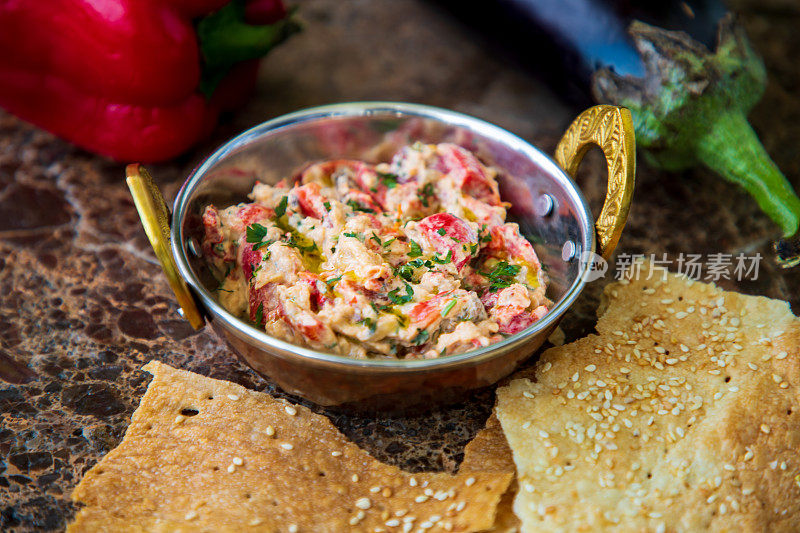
[[84, 304]]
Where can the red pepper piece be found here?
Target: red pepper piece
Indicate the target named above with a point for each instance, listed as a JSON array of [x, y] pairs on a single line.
[[123, 78], [449, 235], [468, 173]]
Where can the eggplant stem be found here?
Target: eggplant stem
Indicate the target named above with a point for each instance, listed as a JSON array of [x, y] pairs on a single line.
[[732, 149]]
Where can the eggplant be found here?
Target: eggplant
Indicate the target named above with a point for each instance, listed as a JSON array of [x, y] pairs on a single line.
[[685, 69]]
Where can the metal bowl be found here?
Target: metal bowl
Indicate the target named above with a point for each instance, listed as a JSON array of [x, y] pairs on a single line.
[[549, 207]]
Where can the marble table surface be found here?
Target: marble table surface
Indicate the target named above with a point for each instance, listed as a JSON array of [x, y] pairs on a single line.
[[84, 304]]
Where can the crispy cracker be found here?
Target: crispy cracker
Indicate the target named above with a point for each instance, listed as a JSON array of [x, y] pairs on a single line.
[[220, 470], [683, 414], [489, 452]]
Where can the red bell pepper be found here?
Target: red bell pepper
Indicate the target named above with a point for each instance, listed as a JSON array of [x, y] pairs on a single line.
[[139, 80]]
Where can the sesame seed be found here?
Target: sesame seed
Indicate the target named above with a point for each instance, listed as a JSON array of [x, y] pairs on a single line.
[[255, 521], [681, 314], [782, 355], [528, 395], [752, 366], [237, 461], [354, 478], [469, 482], [421, 498], [231, 469], [336, 453], [290, 410], [191, 515], [733, 389], [784, 385], [783, 465], [232, 397], [765, 429], [728, 467], [717, 395], [748, 454], [179, 419], [270, 431], [286, 446], [394, 522], [684, 348], [543, 434], [776, 378], [412, 482], [363, 503], [671, 361], [590, 368], [293, 528], [527, 424], [375, 489], [625, 370]]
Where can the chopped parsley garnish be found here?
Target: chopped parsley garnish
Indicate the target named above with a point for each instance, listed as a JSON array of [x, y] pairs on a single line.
[[301, 243], [406, 271], [427, 192], [371, 324], [219, 248], [255, 233], [474, 248], [280, 210], [502, 275], [441, 231], [375, 238], [327, 205], [416, 249], [387, 243], [443, 260], [395, 297], [446, 309], [350, 234], [332, 281], [261, 244], [355, 206], [421, 337], [260, 313], [485, 236], [254, 270], [388, 179]]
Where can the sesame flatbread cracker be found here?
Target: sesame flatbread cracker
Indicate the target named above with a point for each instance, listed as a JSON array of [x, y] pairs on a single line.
[[489, 452], [207, 455], [682, 414]]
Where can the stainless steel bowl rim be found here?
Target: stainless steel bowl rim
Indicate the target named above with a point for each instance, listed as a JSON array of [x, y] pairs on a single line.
[[264, 341]]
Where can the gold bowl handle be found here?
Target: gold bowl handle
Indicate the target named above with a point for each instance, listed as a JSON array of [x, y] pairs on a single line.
[[154, 214], [611, 128]]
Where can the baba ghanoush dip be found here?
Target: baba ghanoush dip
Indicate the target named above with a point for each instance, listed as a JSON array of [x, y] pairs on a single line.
[[410, 259]]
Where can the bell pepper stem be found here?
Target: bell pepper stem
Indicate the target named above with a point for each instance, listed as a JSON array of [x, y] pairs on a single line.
[[732, 149], [226, 39]]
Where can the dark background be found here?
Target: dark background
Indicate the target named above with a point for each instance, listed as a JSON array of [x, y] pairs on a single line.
[[84, 303]]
